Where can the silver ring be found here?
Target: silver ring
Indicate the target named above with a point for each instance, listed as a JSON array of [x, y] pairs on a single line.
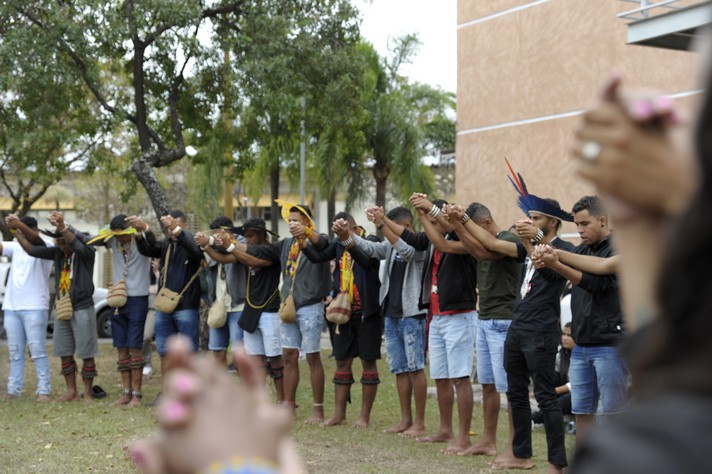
[[591, 151]]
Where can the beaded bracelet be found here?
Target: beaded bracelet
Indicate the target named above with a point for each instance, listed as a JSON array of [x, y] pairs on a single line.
[[539, 236], [239, 465], [348, 242]]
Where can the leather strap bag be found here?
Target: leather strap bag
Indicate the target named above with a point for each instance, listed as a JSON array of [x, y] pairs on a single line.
[[217, 316], [288, 310], [167, 300], [118, 293], [339, 310], [63, 304], [64, 307]]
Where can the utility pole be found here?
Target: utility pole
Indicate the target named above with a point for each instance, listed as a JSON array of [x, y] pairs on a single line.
[[227, 193], [303, 154]]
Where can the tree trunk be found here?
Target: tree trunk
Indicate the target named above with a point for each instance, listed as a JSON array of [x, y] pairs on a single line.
[[331, 210], [6, 234], [380, 173], [146, 175], [274, 194]]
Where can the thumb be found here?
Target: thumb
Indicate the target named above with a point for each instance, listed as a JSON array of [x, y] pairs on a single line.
[[611, 87]]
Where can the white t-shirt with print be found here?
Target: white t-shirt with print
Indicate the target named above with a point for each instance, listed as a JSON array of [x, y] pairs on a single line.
[[28, 283]]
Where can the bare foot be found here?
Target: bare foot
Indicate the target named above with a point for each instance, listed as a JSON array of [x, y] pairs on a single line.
[[334, 421], [481, 448], [317, 416], [43, 399], [399, 428], [135, 402], [553, 469], [88, 398], [511, 462], [414, 431], [9, 397], [457, 447], [68, 397], [360, 424], [123, 400], [435, 438]]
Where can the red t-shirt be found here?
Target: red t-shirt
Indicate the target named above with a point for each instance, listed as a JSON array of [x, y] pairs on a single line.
[[434, 300]]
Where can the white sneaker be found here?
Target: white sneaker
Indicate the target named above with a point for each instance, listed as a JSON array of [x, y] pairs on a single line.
[[147, 370]]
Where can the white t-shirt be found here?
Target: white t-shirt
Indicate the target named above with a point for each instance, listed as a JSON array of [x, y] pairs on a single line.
[[28, 283]]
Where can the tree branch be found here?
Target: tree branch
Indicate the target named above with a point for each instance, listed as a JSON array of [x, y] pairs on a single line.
[[213, 12], [84, 71]]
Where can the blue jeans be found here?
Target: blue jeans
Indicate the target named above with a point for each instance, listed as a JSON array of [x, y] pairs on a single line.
[[218, 338], [451, 346], [405, 344], [27, 327], [305, 332], [489, 345], [598, 374], [185, 322], [127, 326]]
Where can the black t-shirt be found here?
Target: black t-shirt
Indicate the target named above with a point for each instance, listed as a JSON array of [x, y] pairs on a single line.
[[394, 306], [539, 293], [262, 284]]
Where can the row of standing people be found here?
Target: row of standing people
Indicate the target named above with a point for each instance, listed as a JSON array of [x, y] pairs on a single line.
[[460, 251]]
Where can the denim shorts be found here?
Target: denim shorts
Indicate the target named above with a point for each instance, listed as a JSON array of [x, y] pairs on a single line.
[[451, 346], [76, 335], [265, 340], [185, 322], [598, 374], [305, 333], [405, 344], [489, 346], [127, 326], [231, 332]]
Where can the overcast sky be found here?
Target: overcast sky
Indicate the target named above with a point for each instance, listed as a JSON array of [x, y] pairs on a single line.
[[435, 22]]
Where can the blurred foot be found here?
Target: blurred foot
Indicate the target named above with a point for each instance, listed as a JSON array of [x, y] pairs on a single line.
[[155, 400]]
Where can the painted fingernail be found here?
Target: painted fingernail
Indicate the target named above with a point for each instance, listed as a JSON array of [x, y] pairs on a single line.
[[183, 384], [174, 411], [642, 110], [663, 103]]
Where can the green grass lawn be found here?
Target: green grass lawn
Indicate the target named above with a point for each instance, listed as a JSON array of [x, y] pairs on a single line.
[[78, 437]]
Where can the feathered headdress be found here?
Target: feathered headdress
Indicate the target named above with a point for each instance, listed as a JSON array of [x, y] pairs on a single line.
[[531, 203], [106, 234], [287, 207]]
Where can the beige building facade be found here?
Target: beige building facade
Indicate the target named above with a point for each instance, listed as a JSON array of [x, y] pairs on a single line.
[[526, 71]]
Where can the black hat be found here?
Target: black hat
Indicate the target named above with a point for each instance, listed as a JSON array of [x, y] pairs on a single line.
[[254, 223]]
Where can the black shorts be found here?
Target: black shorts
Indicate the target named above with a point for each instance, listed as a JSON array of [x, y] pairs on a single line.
[[361, 337]]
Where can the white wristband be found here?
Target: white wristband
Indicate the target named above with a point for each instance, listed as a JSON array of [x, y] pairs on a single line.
[[231, 248], [211, 240], [177, 230]]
